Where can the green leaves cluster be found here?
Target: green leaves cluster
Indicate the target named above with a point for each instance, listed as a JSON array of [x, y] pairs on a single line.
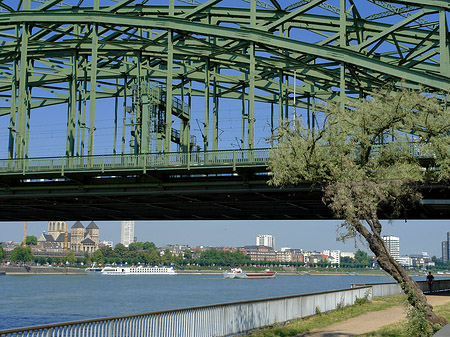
[[370, 154], [222, 258], [21, 254], [140, 252], [31, 240]]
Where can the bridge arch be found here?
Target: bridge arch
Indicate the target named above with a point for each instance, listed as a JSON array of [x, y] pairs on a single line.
[[263, 56]]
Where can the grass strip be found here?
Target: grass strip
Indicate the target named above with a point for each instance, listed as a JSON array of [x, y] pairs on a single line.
[[398, 329], [322, 320]]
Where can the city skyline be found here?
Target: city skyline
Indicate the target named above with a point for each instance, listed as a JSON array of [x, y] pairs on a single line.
[[416, 236]]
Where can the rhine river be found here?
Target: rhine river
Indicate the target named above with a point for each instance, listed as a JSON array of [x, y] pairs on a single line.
[[27, 300]]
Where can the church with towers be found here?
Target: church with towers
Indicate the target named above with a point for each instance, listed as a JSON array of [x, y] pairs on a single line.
[[78, 238]]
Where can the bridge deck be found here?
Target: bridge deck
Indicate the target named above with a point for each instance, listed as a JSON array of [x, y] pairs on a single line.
[[220, 185]]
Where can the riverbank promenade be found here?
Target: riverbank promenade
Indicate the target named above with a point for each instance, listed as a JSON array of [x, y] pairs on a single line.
[[371, 321]]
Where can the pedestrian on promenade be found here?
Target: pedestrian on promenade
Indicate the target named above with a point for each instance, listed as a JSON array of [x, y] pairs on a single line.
[[430, 280]]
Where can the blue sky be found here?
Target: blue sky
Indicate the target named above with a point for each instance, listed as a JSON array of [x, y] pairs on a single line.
[[415, 236]]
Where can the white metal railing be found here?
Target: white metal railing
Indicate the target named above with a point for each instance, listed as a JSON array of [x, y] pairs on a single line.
[[206, 321], [149, 161]]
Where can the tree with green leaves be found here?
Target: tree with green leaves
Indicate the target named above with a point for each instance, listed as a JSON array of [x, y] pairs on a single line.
[[98, 257], [2, 253], [21, 254], [31, 240], [71, 257], [361, 257], [370, 156]]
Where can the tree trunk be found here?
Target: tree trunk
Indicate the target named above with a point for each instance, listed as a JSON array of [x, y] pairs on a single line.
[[408, 285]]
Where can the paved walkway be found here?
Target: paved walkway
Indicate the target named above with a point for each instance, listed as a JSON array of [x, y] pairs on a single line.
[[370, 321]]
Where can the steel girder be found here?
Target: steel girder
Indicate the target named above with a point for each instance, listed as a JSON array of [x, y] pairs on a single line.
[[76, 52]]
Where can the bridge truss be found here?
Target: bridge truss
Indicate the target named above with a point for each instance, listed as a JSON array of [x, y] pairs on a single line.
[[149, 76], [138, 54]]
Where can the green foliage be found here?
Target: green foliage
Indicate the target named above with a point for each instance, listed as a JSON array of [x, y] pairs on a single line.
[[362, 300], [361, 257], [31, 240], [303, 325], [71, 257], [369, 155], [21, 254], [98, 257], [318, 310], [366, 154], [2, 253], [417, 323]]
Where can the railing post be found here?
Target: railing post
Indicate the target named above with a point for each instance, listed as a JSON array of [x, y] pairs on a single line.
[[103, 164], [145, 163], [62, 166], [23, 166], [234, 160]]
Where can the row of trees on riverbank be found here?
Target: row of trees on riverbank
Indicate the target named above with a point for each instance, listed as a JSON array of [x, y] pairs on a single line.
[[148, 253]]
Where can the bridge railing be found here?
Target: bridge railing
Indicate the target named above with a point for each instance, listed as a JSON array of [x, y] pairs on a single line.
[[206, 321], [173, 160]]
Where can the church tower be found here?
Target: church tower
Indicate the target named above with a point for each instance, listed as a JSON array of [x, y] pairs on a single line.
[[77, 235], [92, 232], [56, 228]]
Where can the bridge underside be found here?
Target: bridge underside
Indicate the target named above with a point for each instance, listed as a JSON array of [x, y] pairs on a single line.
[[191, 198]]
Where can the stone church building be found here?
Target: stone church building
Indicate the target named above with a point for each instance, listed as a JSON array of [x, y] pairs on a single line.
[[78, 239]]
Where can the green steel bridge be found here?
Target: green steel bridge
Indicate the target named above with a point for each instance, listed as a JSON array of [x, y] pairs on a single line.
[[147, 109]]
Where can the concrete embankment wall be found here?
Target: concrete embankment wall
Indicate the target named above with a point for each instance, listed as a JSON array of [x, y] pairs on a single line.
[[33, 270]]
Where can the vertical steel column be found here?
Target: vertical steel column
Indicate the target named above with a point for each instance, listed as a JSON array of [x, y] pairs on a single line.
[[116, 111], [83, 114], [215, 144], [72, 111], [188, 124], [23, 92], [342, 43], [13, 111], [124, 118], [182, 121], [244, 117], [145, 117], [169, 98], [206, 121], [280, 98], [251, 89], [93, 84], [28, 117], [444, 44]]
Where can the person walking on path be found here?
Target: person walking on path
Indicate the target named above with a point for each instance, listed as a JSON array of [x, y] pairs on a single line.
[[430, 280]]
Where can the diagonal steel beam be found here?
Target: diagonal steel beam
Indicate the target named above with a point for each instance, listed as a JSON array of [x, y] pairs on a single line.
[[48, 4], [200, 8], [392, 29], [292, 15], [117, 6]]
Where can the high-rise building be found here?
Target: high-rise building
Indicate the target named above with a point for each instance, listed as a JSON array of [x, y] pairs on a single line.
[[127, 232], [446, 249], [393, 244], [334, 256], [265, 240]]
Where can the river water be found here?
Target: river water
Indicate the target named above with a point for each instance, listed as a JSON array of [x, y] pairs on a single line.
[[27, 300]]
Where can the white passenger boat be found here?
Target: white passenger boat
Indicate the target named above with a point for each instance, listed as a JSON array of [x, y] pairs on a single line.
[[238, 273], [93, 270], [138, 271]]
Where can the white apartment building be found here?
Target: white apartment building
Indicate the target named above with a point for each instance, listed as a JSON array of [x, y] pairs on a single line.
[[265, 240], [393, 244], [334, 256], [107, 243], [127, 232]]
